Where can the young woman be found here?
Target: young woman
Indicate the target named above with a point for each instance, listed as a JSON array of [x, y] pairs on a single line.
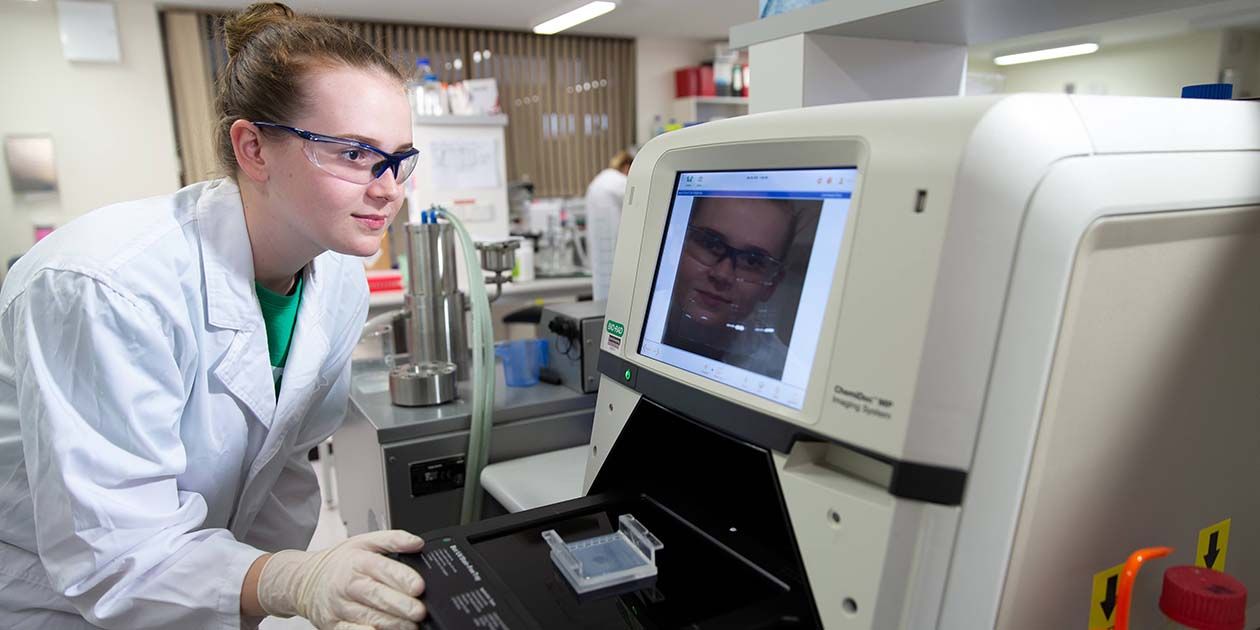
[[166, 364]]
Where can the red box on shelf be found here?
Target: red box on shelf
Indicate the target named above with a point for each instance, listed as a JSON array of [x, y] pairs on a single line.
[[686, 82], [707, 87], [694, 81]]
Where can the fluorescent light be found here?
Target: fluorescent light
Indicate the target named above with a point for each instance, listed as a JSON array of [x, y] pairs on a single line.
[[1048, 53], [588, 11]]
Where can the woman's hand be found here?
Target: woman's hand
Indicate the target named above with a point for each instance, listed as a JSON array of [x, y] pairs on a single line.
[[347, 587]]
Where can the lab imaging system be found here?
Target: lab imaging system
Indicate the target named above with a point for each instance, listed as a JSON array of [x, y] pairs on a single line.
[[936, 363]]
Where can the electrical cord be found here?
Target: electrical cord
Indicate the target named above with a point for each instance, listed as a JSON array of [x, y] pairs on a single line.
[[568, 332]]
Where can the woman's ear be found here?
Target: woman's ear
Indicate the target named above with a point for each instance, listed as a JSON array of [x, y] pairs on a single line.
[[247, 145]]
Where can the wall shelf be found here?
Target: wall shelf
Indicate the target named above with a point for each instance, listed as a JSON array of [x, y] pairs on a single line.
[[706, 108], [715, 100]]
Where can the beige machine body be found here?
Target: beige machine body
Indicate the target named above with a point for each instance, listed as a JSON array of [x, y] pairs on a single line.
[[1052, 302]]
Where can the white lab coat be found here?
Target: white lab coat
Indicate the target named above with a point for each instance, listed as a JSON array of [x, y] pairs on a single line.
[[603, 217], [145, 461]]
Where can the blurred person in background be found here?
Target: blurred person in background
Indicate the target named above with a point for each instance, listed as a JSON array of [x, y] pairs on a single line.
[[604, 197]]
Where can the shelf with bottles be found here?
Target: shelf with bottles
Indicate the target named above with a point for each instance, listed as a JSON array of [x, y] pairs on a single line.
[[471, 101]]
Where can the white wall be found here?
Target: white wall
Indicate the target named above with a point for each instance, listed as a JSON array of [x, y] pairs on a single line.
[[1240, 54], [111, 124], [1154, 68], [655, 63]]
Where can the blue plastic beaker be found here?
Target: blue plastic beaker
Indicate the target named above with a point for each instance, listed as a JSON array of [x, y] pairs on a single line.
[[521, 360]]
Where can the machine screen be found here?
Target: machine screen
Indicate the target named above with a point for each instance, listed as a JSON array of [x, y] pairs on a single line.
[[744, 274]]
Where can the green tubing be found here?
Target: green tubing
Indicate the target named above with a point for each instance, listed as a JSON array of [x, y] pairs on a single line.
[[483, 377]]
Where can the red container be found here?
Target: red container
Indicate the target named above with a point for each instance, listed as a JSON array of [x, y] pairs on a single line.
[[687, 82], [694, 81], [384, 281], [707, 87]]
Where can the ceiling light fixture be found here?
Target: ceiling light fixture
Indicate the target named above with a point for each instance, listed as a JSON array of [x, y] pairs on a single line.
[[569, 19], [1057, 52]]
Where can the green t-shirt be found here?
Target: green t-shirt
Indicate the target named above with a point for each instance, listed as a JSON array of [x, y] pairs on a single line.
[[280, 316]]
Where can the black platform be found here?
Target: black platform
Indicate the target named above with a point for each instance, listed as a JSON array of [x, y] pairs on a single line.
[[729, 560], [701, 583]]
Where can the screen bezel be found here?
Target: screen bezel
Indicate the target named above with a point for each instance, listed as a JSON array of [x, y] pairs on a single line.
[[796, 154]]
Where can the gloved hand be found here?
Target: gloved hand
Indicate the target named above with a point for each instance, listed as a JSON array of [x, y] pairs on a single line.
[[348, 587]]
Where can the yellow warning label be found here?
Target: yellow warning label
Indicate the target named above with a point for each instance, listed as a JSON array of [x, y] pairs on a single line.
[[1102, 602], [1213, 545]]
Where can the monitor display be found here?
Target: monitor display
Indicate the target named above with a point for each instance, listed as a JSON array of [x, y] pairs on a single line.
[[744, 274]]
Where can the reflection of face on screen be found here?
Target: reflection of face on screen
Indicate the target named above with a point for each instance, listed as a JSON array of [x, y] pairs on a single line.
[[735, 255]]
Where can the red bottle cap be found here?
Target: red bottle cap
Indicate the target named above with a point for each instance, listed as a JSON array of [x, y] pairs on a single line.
[[1203, 599]]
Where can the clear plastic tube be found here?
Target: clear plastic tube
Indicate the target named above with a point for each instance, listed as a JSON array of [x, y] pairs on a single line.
[[483, 377], [581, 248]]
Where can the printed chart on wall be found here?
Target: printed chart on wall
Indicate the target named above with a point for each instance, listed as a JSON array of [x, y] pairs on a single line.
[[464, 163]]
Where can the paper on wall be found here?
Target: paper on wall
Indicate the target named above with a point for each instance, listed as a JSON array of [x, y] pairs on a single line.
[[464, 163]]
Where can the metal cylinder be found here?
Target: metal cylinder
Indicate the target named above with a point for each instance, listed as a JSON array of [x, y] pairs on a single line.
[[498, 256], [422, 385], [435, 307]]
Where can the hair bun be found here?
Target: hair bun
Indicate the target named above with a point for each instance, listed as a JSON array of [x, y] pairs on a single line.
[[256, 18]]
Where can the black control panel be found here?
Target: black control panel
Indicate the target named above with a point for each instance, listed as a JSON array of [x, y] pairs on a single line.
[[437, 475]]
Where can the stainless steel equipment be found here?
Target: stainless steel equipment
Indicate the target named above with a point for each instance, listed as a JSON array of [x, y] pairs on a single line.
[[498, 257], [423, 384], [435, 307], [433, 317], [433, 321], [573, 332], [403, 467]]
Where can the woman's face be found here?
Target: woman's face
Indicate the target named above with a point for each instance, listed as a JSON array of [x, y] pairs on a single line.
[[331, 213], [710, 293]]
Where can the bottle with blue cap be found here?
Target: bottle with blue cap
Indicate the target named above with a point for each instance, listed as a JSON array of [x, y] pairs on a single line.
[[1212, 91], [431, 89]]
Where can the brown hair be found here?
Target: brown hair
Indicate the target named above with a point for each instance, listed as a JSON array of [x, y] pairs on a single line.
[[621, 160], [270, 51]]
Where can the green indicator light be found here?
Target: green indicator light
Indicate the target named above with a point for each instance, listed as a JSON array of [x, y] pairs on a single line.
[[628, 375]]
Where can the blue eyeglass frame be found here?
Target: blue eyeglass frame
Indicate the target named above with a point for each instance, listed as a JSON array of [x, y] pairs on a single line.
[[729, 253], [391, 161]]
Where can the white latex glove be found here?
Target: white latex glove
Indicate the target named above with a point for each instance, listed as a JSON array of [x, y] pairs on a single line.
[[347, 587]]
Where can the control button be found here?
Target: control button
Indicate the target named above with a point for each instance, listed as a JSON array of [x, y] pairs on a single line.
[[629, 375]]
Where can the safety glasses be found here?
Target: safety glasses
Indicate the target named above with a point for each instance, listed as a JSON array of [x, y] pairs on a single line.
[[709, 249], [350, 160]]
